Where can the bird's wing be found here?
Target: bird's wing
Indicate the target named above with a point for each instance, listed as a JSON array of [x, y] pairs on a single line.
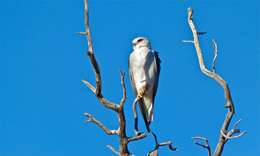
[[141, 102], [153, 70], [157, 70]]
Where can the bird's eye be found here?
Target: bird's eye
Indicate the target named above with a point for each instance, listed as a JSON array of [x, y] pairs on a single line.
[[140, 40]]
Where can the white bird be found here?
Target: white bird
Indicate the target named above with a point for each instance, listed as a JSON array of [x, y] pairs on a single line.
[[144, 70]]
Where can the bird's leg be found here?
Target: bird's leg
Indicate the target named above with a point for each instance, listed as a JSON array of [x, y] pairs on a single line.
[[136, 117]]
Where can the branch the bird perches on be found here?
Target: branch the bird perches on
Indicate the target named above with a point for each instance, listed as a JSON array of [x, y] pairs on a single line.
[[117, 108]]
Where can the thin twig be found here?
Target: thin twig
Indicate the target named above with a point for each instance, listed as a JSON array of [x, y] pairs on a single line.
[[201, 33], [87, 29], [81, 33], [89, 85], [229, 137], [154, 152], [102, 100], [188, 41], [215, 50], [236, 123], [97, 91], [137, 137], [135, 116], [90, 118], [113, 149], [203, 142], [122, 76]]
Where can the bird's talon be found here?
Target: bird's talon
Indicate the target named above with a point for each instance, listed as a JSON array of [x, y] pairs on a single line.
[[141, 93]]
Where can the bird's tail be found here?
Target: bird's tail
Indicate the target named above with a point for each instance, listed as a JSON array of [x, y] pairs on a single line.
[[147, 121], [146, 107]]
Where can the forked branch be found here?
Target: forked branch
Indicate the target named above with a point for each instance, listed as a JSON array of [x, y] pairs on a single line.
[[97, 90], [224, 134], [154, 152], [203, 142], [90, 118]]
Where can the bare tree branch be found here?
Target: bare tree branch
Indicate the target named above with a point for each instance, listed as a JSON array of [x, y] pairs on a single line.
[[123, 150], [81, 33], [203, 142], [118, 108], [102, 100], [87, 29], [215, 50], [154, 152], [113, 149], [229, 136], [217, 78], [187, 41], [137, 137], [201, 33], [90, 118], [97, 90], [90, 86], [122, 76], [234, 130]]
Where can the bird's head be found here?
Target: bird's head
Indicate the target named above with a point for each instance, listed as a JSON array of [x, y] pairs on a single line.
[[140, 42]]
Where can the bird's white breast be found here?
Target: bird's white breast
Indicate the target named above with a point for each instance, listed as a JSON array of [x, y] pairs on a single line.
[[138, 60]]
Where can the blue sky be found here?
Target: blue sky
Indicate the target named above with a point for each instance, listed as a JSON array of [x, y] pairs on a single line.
[[43, 61]]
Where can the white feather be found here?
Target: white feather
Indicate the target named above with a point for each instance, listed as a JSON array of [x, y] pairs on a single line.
[[143, 72]]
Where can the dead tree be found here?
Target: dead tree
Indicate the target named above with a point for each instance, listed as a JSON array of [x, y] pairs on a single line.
[[117, 108], [225, 133]]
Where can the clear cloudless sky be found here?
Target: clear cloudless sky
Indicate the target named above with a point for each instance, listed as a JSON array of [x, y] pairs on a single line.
[[43, 61]]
